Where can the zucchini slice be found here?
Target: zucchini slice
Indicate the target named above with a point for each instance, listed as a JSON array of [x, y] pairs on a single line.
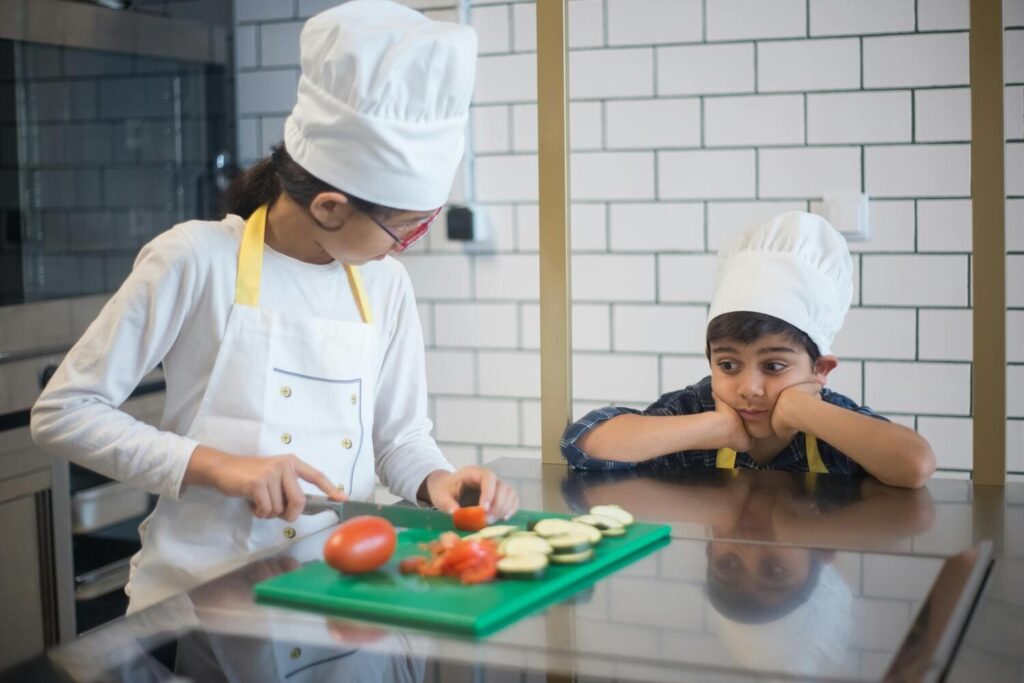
[[569, 544], [552, 527], [573, 558], [496, 531], [613, 511], [524, 545], [527, 534], [592, 533], [523, 566]]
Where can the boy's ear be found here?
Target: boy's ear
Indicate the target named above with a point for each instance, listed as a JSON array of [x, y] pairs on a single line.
[[823, 366]]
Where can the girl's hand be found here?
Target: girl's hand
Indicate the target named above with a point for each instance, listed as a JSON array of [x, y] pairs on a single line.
[[496, 497], [269, 483], [736, 435]]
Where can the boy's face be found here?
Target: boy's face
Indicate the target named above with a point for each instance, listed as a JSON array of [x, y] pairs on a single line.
[[750, 377]]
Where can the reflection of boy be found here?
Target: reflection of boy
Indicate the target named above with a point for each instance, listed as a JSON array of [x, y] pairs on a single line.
[[779, 608], [781, 295]]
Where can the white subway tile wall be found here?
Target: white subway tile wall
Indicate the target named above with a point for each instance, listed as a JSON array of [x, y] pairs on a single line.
[[690, 122]]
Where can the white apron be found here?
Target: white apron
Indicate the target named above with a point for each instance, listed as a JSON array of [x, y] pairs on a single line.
[[282, 383]]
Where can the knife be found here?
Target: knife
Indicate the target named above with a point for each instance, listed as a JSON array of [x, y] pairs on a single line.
[[404, 516]]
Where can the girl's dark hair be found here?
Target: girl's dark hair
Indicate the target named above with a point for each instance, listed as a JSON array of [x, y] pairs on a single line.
[[747, 327], [266, 179]]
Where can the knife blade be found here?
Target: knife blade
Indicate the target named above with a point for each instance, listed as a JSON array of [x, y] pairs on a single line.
[[400, 515]]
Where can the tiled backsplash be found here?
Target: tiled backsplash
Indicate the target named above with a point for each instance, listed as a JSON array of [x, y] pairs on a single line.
[[690, 120], [102, 152]]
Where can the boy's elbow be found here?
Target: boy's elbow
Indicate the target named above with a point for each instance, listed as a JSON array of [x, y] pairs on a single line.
[[920, 467]]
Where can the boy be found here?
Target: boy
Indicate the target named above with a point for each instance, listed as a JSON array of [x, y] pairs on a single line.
[[781, 295]]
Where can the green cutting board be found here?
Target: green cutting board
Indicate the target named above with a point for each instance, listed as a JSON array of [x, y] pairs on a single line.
[[443, 604]]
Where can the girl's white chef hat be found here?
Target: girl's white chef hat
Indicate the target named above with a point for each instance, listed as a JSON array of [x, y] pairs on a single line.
[[796, 267], [382, 102]]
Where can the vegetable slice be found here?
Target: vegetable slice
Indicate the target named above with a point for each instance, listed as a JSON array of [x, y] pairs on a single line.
[[524, 545], [613, 511], [523, 566], [552, 527], [573, 558], [496, 531], [568, 544]]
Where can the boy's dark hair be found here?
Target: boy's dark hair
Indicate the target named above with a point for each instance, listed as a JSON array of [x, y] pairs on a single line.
[[266, 179], [747, 609], [747, 327]]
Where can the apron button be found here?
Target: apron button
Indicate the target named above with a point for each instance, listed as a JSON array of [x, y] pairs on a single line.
[[346, 443], [354, 399], [295, 653], [289, 532], [286, 391], [286, 437]]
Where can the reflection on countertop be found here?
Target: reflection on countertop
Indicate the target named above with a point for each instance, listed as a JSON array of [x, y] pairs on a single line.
[[768, 575]]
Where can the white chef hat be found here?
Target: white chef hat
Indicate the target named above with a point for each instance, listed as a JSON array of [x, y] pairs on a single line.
[[796, 267], [382, 102], [811, 640]]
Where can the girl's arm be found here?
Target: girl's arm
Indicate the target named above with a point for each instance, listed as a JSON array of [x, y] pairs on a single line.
[[892, 453], [78, 416]]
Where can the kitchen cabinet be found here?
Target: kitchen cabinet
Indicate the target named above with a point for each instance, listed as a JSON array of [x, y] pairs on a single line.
[[35, 574]]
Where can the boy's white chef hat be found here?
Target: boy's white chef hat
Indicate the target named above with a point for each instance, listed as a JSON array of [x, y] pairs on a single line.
[[796, 267], [382, 102], [810, 641]]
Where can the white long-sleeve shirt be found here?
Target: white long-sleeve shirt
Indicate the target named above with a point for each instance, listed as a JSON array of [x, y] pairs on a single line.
[[173, 308]]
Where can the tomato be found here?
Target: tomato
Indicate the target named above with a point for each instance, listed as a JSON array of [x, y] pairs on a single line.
[[411, 565], [484, 570], [472, 518], [360, 545], [468, 554]]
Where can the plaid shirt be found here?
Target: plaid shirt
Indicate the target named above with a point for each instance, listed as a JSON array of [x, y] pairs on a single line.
[[694, 399]]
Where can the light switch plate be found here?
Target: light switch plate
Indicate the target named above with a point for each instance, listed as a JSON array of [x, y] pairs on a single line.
[[847, 211]]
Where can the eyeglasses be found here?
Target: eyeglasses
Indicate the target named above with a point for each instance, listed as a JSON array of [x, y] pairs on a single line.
[[403, 243]]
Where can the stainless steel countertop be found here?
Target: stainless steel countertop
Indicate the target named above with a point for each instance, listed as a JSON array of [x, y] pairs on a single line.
[[880, 548]]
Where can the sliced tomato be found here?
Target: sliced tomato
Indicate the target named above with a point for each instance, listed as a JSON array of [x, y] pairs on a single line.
[[469, 552], [432, 567], [484, 570], [473, 518], [411, 565]]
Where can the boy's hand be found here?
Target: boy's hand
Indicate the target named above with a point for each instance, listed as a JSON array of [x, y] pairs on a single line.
[[786, 414], [496, 497], [736, 435]]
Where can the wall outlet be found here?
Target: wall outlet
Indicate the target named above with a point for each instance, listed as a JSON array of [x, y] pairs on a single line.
[[467, 224]]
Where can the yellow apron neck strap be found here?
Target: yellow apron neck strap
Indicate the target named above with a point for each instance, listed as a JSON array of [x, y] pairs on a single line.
[[355, 283], [250, 268], [726, 457], [250, 259]]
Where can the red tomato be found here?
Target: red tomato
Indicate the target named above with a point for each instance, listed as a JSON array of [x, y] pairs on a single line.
[[360, 545], [472, 518], [468, 554], [411, 565], [481, 572]]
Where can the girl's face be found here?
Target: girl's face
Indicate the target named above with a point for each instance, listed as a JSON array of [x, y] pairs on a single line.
[[350, 236], [750, 377]]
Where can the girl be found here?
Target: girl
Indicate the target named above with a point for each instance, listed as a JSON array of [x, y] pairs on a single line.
[[290, 341]]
